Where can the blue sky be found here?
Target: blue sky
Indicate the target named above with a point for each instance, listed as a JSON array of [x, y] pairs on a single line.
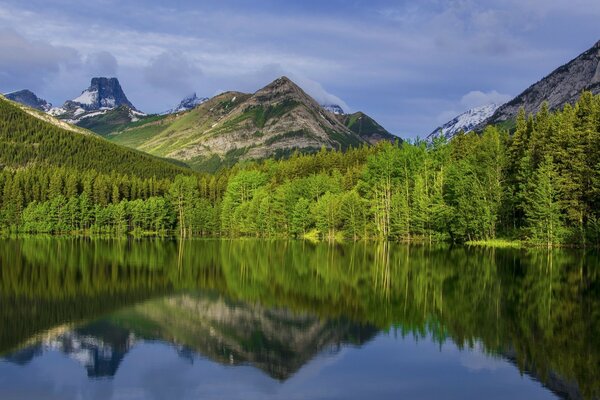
[[410, 64]]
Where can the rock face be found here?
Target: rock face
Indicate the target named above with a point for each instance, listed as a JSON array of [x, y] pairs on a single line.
[[562, 86], [465, 122], [99, 99], [28, 98], [102, 93]]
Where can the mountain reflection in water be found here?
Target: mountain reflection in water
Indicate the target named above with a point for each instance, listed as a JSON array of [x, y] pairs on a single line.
[[276, 306]]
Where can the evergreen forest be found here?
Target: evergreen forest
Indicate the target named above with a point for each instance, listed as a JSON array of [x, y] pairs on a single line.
[[539, 183]]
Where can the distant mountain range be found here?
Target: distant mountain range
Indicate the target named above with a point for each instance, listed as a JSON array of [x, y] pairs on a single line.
[[280, 118], [275, 121], [207, 133]]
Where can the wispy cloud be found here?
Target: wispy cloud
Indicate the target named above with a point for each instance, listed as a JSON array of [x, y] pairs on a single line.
[[383, 57]]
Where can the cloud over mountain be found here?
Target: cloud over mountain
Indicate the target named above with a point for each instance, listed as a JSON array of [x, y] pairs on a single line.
[[28, 63]]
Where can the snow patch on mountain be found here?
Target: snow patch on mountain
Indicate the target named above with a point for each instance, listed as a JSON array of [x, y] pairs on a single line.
[[466, 122], [333, 108], [187, 103], [87, 97]]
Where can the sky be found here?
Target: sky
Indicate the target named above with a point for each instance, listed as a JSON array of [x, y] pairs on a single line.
[[411, 65]]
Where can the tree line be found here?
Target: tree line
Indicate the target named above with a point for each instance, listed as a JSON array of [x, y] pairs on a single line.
[[541, 183]]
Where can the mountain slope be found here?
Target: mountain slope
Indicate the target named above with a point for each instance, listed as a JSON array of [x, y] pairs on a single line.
[[26, 139], [367, 128], [562, 86], [274, 121], [465, 122], [107, 121], [28, 98]]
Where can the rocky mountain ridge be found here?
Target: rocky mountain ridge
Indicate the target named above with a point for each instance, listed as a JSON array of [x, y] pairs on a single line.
[[28, 98], [562, 86]]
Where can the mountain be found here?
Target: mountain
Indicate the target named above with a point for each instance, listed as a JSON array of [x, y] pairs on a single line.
[[106, 121], [366, 127], [187, 104], [562, 86], [465, 122], [333, 108], [275, 121], [29, 137], [103, 95], [28, 98]]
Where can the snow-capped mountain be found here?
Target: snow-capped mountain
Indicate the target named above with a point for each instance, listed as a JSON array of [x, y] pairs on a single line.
[[464, 122], [187, 103], [103, 95], [28, 98], [333, 108]]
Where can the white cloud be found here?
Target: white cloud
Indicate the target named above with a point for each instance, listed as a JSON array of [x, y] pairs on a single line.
[[30, 64], [379, 58], [101, 63], [172, 71], [478, 98], [316, 91]]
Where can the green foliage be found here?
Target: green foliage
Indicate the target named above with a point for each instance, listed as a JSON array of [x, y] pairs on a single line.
[[539, 307], [540, 185], [26, 140], [543, 210]]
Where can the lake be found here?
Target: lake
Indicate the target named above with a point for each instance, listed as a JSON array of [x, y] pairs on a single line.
[[168, 319]]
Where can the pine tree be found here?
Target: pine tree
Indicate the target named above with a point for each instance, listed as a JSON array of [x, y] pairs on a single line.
[[543, 209]]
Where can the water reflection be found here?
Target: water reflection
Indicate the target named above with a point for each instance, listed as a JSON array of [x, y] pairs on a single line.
[[274, 340], [278, 305]]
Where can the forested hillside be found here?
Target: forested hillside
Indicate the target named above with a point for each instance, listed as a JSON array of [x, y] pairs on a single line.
[[542, 184], [28, 141]]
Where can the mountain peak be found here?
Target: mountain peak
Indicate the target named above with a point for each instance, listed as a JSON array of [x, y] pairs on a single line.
[[283, 83], [28, 98], [282, 89], [188, 103], [282, 80], [103, 93], [333, 108]]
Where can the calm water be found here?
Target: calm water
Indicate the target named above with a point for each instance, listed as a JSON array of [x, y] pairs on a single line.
[[159, 319]]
